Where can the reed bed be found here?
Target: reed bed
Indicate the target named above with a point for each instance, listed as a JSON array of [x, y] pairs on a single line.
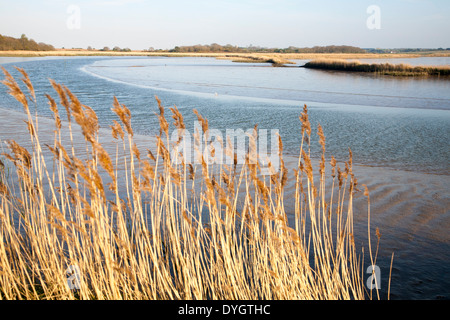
[[159, 228], [288, 56], [381, 68], [275, 60]]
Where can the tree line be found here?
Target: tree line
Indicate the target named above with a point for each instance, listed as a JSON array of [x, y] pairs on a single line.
[[405, 50], [23, 43], [230, 48]]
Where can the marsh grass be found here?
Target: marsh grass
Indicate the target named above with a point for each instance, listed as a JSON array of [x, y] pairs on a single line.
[[275, 60], [404, 70], [158, 228], [298, 56]]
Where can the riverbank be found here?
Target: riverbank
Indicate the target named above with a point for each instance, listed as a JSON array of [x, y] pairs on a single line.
[[239, 57], [403, 70]]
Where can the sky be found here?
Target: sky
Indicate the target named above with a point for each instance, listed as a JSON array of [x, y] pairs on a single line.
[[164, 24]]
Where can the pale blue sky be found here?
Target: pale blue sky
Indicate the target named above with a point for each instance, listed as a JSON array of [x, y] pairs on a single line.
[[140, 24]]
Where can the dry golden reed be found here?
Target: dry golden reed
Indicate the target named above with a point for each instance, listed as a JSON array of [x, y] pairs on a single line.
[[142, 225]]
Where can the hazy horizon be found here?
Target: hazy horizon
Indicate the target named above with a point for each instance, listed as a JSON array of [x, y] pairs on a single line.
[[140, 24]]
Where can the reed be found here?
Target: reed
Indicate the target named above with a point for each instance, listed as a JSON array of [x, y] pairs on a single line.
[[142, 225], [381, 68], [275, 60], [288, 56]]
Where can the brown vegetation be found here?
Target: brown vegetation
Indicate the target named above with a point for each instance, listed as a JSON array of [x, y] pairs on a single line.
[[256, 49], [10, 43], [382, 68], [158, 228]]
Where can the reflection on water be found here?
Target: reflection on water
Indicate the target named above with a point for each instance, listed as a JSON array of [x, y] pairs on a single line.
[[209, 76], [386, 121]]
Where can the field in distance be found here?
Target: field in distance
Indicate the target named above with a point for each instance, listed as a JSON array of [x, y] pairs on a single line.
[[276, 58]]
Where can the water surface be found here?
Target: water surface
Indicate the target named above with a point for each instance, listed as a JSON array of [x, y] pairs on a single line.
[[400, 123]]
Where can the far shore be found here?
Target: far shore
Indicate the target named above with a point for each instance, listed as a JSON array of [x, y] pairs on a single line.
[[274, 58]]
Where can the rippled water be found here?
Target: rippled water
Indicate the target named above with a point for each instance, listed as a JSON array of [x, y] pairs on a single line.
[[386, 121], [395, 122]]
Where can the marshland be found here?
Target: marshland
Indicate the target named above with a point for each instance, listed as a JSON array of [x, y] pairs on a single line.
[[90, 179], [380, 68]]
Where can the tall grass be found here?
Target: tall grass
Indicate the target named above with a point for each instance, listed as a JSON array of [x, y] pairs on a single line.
[[381, 68], [157, 228], [275, 60]]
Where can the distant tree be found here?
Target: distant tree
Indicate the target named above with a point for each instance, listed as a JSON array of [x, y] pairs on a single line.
[[23, 43], [214, 47], [89, 48], [229, 48], [116, 48], [45, 47], [105, 49]]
